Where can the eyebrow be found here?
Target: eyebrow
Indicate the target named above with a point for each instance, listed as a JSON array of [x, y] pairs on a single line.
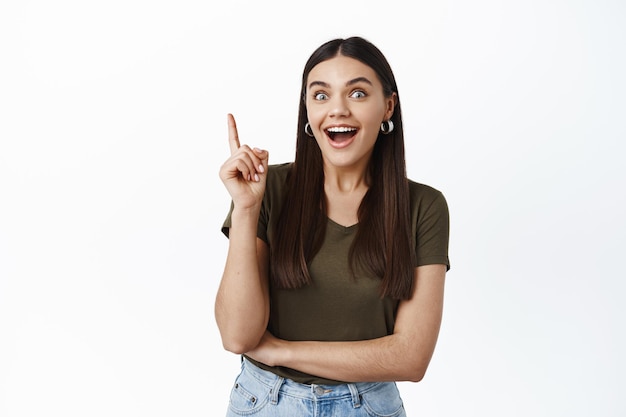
[[349, 83]]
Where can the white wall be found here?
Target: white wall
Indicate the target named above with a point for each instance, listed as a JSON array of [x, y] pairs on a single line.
[[112, 130]]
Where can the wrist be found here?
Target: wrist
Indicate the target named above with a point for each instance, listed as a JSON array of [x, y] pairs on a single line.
[[245, 215], [285, 354], [279, 353]]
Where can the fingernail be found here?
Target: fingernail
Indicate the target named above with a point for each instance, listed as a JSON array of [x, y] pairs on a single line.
[[256, 177], [258, 150], [261, 169], [249, 177]]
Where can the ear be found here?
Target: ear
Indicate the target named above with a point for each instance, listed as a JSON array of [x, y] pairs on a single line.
[[390, 102]]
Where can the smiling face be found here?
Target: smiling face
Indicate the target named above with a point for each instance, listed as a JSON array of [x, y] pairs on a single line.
[[345, 105]]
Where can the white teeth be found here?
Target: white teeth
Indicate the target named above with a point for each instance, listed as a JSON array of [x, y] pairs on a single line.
[[341, 129]]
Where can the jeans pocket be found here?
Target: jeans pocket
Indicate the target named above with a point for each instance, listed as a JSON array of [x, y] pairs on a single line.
[[248, 395], [383, 401]]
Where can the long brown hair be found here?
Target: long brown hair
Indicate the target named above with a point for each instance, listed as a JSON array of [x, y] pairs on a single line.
[[385, 246]]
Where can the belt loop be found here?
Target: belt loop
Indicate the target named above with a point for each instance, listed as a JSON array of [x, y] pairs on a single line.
[[275, 389], [356, 398]]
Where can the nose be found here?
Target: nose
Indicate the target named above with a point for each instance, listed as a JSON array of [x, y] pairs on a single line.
[[339, 108]]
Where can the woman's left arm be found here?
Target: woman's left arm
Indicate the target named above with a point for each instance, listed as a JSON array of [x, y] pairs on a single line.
[[401, 356]]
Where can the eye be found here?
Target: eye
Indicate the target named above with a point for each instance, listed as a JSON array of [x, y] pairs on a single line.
[[320, 96], [358, 94]]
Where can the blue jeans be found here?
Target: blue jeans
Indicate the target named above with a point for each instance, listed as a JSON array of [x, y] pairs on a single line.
[[260, 393]]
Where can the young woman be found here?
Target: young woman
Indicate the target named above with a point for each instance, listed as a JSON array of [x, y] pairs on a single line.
[[334, 280]]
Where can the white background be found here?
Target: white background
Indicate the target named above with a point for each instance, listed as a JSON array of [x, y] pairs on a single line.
[[113, 128]]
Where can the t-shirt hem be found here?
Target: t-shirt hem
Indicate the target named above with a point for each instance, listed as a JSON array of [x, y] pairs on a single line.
[[434, 260]]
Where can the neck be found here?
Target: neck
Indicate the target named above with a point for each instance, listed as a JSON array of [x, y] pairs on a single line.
[[345, 180]]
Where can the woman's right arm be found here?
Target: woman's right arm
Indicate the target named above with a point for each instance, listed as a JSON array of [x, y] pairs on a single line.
[[242, 302]]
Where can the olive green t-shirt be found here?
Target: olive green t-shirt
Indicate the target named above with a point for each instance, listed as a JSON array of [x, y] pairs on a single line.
[[338, 306]]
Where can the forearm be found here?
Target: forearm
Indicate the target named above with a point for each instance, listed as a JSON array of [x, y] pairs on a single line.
[[402, 356], [398, 357], [242, 303], [390, 358]]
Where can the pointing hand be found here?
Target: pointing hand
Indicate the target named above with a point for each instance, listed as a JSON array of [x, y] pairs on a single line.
[[244, 173]]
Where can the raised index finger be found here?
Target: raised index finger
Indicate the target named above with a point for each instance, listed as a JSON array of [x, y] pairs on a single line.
[[233, 137]]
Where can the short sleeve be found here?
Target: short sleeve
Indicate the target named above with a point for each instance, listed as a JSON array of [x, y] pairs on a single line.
[[261, 231], [227, 221], [431, 223]]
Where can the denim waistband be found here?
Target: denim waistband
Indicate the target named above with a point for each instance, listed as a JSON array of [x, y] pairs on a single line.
[[311, 392]]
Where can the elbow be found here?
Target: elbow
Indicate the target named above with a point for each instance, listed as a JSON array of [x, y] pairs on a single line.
[[239, 345], [416, 376], [415, 365], [415, 373], [239, 339]]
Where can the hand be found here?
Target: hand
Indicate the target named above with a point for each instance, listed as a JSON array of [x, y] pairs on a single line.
[[268, 350], [244, 173]]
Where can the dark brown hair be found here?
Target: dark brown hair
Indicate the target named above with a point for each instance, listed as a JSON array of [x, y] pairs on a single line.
[[385, 245]]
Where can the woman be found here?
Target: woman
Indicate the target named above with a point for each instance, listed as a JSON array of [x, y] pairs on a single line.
[[334, 279]]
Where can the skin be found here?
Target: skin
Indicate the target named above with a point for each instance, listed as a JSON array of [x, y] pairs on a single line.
[[340, 92], [242, 303]]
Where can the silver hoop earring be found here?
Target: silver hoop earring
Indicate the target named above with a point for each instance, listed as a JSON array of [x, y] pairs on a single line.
[[386, 127], [308, 130]]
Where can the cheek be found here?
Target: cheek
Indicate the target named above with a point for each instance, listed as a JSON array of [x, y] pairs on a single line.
[[372, 114], [314, 116], [372, 122]]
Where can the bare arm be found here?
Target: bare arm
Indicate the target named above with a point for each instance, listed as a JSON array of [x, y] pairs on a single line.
[[401, 356], [242, 302]]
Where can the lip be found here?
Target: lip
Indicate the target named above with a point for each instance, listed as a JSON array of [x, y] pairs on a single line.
[[344, 144]]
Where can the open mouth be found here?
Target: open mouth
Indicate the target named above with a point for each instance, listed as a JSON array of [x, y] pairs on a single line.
[[341, 134]]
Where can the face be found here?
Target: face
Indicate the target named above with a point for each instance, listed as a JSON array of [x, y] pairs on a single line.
[[346, 105]]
